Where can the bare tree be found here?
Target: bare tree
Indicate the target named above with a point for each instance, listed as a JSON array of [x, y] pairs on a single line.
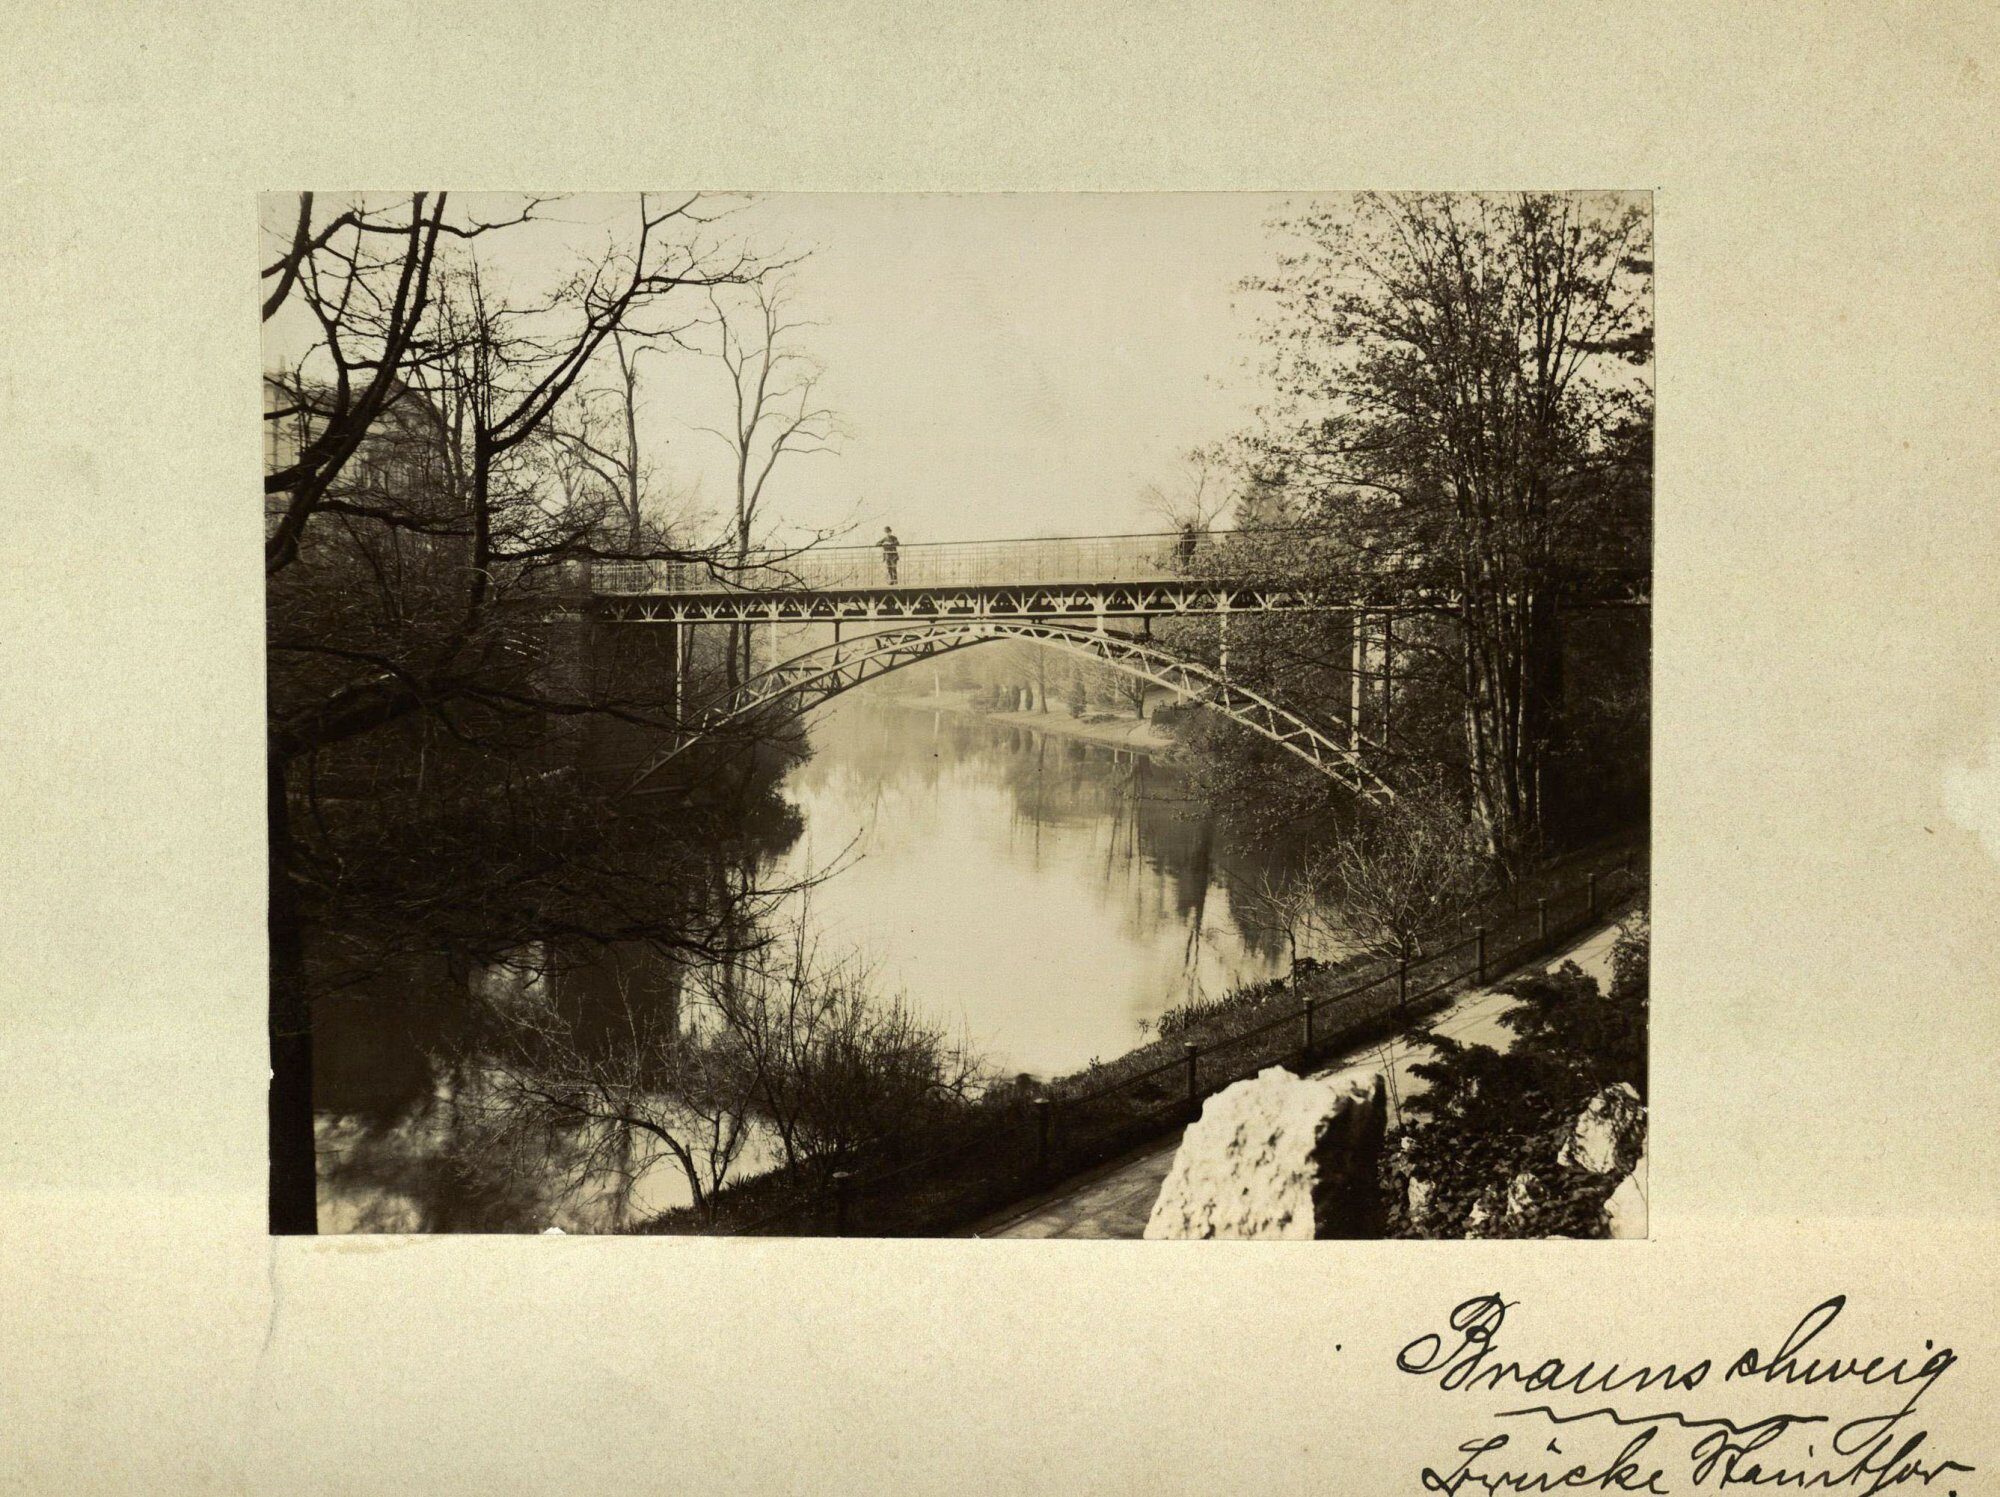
[[778, 1041], [1195, 497], [1191, 502], [1291, 906], [836, 1068], [417, 532], [775, 410], [598, 433], [1132, 691], [1405, 869], [612, 1104]]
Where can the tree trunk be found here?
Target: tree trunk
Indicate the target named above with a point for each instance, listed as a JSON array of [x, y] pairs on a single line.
[[1513, 683], [294, 1183], [1545, 709]]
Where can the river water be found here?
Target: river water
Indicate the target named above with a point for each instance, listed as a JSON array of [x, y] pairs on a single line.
[[1041, 897]]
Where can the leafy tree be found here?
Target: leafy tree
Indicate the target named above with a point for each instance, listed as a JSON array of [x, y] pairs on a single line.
[[1462, 403]]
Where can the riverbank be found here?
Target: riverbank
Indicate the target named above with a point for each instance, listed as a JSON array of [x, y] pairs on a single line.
[[1022, 1138], [1114, 732], [1115, 1201]]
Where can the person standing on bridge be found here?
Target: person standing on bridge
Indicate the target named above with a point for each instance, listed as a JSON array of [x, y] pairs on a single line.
[[890, 546], [1190, 538]]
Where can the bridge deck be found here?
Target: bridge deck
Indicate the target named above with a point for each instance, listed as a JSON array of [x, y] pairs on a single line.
[[1060, 577]]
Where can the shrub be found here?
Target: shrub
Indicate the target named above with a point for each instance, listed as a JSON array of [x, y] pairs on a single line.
[[1490, 1117]]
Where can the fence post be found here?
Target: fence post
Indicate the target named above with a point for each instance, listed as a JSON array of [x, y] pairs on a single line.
[[1541, 919], [1308, 1050], [840, 1179], [1591, 884], [1480, 936], [1193, 1056], [1041, 1132], [1628, 861], [1402, 981]]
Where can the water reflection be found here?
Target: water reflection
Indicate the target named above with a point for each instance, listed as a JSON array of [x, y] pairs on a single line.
[[1047, 894], [1041, 896], [413, 1109]]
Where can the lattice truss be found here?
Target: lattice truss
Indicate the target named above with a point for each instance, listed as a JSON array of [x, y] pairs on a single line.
[[806, 681], [1080, 600]]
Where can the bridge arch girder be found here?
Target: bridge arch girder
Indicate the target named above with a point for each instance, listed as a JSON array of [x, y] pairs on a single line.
[[819, 675]]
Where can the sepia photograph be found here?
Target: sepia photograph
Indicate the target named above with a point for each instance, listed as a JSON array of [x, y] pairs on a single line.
[[1091, 715]]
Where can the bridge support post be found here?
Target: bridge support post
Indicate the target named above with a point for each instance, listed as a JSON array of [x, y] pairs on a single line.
[[1356, 694], [1388, 666], [680, 664], [840, 1183], [1222, 639]]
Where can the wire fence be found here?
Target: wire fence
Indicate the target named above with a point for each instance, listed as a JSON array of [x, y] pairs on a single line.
[[1011, 1147]]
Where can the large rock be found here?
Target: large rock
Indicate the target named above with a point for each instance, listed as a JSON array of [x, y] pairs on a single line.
[[1279, 1156], [1608, 1134], [1625, 1211]]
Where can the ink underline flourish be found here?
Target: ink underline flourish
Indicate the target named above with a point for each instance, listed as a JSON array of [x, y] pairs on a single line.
[[1674, 1417]]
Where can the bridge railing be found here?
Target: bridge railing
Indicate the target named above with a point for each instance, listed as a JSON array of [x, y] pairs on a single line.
[[1155, 557], [1273, 554]]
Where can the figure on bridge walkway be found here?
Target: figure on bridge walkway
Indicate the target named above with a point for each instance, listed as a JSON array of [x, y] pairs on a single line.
[[889, 545]]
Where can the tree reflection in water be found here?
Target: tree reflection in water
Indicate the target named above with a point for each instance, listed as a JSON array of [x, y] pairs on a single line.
[[1042, 896]]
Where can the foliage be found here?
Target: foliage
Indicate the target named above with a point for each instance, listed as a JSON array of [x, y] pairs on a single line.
[[1460, 400], [1406, 868], [966, 1161], [833, 1067], [1491, 1117], [1198, 1015], [1257, 789]]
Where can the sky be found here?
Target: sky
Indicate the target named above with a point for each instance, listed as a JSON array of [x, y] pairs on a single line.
[[1004, 364], [1015, 365]]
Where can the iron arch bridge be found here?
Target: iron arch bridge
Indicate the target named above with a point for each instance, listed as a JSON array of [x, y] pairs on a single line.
[[819, 675]]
